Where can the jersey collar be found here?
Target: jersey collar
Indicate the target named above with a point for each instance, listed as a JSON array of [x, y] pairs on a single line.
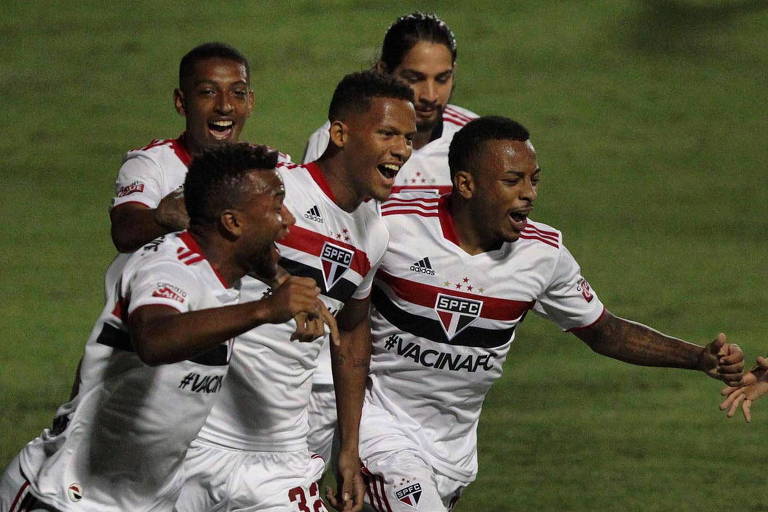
[[446, 220], [189, 240], [180, 148], [319, 177]]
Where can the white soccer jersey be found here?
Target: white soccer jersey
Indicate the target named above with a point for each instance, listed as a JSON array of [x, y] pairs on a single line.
[[444, 320], [150, 173], [427, 169], [263, 407], [120, 443]]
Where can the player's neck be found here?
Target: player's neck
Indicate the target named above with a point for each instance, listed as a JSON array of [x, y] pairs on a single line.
[[219, 253], [471, 239], [335, 173], [424, 137]]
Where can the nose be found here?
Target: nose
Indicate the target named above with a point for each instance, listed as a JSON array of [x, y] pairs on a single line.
[[428, 92], [288, 218], [223, 103], [401, 149], [528, 191]]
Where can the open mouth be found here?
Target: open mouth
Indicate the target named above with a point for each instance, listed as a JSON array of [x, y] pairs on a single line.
[[221, 129], [519, 220], [389, 171]]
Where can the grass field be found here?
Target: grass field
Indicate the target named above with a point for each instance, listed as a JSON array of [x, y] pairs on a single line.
[[649, 120]]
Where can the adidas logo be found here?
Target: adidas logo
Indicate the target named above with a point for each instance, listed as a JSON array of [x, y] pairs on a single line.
[[423, 266], [314, 214]]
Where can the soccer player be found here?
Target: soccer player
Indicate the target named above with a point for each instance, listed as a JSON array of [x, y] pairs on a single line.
[[420, 50], [215, 98], [252, 453], [460, 274], [753, 386], [157, 356]]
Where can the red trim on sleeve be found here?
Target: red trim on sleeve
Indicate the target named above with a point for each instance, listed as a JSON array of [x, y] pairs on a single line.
[[574, 329]]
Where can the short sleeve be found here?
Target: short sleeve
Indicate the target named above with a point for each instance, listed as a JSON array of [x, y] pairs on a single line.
[[317, 143], [568, 300], [138, 181], [164, 283], [381, 238]]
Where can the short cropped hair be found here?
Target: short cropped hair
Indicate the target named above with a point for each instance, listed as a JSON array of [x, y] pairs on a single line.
[[207, 51], [216, 178], [354, 93], [410, 29], [468, 141]]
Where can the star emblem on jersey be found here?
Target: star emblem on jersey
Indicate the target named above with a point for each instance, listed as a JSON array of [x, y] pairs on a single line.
[[410, 495], [423, 266], [336, 260], [314, 214], [456, 313]]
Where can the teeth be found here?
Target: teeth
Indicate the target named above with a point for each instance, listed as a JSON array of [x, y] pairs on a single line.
[[391, 167], [222, 124]]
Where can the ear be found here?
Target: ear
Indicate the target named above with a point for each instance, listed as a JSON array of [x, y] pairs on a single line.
[[231, 223], [251, 101], [464, 184], [339, 133], [179, 103], [380, 67]]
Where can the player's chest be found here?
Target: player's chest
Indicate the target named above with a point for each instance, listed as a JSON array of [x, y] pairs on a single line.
[[453, 273]]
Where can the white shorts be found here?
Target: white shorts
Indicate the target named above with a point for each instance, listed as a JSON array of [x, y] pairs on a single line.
[[400, 477], [221, 479], [321, 413], [14, 491], [403, 482]]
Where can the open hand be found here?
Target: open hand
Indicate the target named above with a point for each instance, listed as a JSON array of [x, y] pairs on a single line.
[[754, 385]]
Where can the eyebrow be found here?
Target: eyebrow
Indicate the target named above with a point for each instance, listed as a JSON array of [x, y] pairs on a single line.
[[213, 82], [419, 73], [521, 173]]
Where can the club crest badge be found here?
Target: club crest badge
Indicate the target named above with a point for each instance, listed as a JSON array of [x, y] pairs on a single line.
[[336, 260], [75, 492], [456, 313], [409, 495]]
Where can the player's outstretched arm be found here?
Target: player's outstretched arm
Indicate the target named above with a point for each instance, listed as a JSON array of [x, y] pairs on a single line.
[[163, 335], [350, 361], [754, 385], [638, 344], [134, 224]]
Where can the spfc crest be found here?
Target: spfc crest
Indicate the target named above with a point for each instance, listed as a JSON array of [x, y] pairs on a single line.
[[409, 495], [456, 313], [336, 260]]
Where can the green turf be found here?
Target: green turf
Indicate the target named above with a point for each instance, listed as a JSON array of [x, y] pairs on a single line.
[[649, 119]]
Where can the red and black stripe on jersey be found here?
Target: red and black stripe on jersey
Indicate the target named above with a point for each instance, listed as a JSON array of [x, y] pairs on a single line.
[[118, 338], [505, 314], [303, 261]]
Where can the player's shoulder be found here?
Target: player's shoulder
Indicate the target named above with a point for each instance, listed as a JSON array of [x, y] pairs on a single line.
[[455, 116], [161, 151], [175, 249], [540, 234]]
